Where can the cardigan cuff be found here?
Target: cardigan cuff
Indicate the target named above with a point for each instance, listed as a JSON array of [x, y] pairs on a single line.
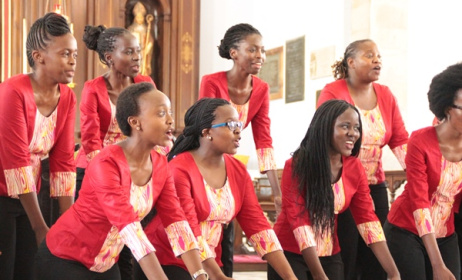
[[400, 154], [91, 155], [371, 232], [20, 180], [135, 238], [266, 159], [62, 184], [304, 236], [204, 249], [265, 242], [423, 221], [181, 237]]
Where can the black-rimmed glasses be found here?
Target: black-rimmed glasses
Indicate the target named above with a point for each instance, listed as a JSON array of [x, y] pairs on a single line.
[[232, 125]]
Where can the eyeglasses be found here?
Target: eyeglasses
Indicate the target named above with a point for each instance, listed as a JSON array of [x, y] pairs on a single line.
[[456, 106], [232, 125]]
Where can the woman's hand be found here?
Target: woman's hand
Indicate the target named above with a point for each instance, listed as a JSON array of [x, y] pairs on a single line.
[[40, 234], [441, 272], [278, 205]]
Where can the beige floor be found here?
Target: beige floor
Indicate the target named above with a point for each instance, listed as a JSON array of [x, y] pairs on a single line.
[[256, 275]]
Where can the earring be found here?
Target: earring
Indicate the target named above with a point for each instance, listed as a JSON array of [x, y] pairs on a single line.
[[138, 128], [209, 137]]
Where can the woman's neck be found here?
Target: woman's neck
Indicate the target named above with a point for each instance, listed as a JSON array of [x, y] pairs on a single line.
[[239, 80], [335, 166], [207, 157], [117, 80], [42, 84], [136, 152], [358, 87]]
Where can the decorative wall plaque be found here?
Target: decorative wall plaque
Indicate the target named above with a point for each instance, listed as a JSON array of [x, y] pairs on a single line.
[[295, 70]]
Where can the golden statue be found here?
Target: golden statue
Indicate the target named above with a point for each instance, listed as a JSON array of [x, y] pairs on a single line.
[[142, 31]]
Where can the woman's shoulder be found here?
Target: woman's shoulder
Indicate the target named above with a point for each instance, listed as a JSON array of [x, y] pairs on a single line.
[[236, 164], [427, 134], [215, 76], [259, 85], [143, 78], [182, 160], [337, 83], [18, 82], [383, 91]]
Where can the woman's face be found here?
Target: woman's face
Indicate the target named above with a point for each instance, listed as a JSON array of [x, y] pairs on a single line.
[[250, 54], [454, 114], [155, 118], [59, 58], [367, 63], [346, 133], [126, 56], [224, 140]]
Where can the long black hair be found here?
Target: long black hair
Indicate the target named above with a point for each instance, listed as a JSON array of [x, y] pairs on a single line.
[[311, 164], [42, 32], [198, 117]]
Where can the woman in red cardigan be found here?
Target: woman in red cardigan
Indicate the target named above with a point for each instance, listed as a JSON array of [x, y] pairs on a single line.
[[356, 75], [250, 96], [420, 226], [37, 117], [123, 182], [119, 50], [214, 188], [321, 180]]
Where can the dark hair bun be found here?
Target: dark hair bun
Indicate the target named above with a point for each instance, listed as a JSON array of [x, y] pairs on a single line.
[[223, 50], [91, 35]]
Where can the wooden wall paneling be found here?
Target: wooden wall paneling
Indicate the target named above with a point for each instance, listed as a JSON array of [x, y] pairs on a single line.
[[185, 62]]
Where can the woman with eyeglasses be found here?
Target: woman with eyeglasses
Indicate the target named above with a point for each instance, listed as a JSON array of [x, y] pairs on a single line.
[[356, 78], [214, 188], [420, 225], [249, 94]]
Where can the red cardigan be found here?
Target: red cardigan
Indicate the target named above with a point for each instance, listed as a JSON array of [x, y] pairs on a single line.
[[294, 214], [216, 86], [104, 201], [395, 135], [423, 161], [95, 116], [191, 191], [17, 122]]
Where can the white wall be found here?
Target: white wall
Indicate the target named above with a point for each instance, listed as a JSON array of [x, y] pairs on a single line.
[[433, 44]]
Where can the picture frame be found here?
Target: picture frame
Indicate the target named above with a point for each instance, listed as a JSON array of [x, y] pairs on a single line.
[[272, 72]]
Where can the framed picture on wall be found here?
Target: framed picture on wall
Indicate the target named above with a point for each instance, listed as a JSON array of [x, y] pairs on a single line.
[[272, 72]]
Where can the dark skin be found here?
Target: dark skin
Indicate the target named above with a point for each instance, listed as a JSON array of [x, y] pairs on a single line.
[[53, 65], [364, 69], [153, 126], [209, 159], [124, 62], [449, 133], [248, 59]]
